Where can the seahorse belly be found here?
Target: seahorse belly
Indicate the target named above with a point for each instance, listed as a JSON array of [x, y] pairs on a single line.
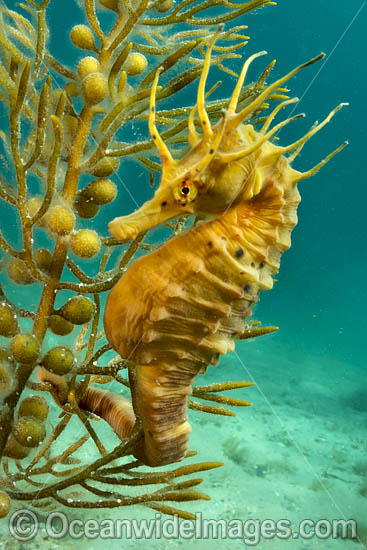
[[172, 325]]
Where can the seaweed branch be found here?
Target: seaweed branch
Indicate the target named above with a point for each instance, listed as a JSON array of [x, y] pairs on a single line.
[[65, 127]]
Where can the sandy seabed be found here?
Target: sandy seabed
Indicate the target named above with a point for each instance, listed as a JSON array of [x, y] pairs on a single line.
[[295, 454]]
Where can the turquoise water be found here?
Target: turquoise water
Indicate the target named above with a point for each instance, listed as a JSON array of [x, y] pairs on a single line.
[[300, 451]]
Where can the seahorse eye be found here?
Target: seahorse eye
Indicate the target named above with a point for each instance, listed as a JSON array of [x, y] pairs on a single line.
[[185, 192]]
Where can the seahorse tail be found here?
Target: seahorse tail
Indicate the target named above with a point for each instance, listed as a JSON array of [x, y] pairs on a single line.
[[58, 382], [161, 401], [113, 408]]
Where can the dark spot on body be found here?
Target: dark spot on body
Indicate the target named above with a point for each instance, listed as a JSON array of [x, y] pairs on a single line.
[[252, 264], [239, 253], [154, 137], [164, 203], [210, 244], [246, 288], [211, 151]]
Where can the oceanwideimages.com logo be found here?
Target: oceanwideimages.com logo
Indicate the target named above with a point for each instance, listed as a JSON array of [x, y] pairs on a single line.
[[24, 525]]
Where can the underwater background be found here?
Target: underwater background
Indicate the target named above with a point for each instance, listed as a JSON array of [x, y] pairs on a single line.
[[300, 450]]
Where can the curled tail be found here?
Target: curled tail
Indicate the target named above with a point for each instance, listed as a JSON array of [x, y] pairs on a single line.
[[161, 400], [113, 408]]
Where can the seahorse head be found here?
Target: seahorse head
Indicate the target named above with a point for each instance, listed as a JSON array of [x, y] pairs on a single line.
[[226, 163], [199, 183]]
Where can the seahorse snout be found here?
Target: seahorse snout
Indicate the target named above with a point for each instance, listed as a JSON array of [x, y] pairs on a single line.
[[122, 230], [159, 209]]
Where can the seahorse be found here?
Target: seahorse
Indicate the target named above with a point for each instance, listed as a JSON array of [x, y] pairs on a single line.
[[177, 309]]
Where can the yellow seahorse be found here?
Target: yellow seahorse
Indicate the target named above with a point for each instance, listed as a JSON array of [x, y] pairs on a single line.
[[175, 310]]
